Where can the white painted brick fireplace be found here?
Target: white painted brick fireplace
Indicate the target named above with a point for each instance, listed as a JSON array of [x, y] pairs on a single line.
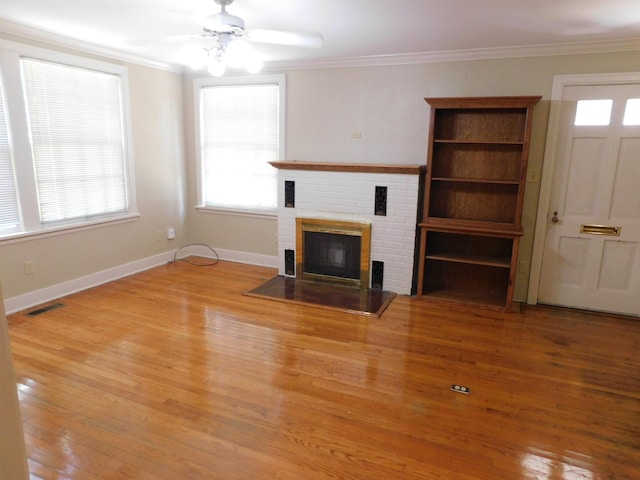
[[347, 193]]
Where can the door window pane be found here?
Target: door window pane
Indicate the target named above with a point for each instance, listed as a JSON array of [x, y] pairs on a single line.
[[632, 112], [593, 112]]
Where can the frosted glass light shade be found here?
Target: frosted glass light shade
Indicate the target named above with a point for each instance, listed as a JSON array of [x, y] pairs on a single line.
[[216, 67]]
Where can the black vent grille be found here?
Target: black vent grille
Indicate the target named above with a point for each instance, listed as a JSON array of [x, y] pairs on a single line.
[[377, 274], [289, 262], [380, 207], [289, 193], [42, 310]]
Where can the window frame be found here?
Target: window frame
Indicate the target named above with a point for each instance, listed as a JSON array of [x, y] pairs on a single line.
[[11, 54], [204, 82], [4, 118]]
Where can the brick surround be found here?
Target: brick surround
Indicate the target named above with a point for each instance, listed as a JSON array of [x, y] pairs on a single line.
[[349, 195]]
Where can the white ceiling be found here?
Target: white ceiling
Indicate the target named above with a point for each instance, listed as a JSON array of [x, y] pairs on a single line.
[[354, 31]]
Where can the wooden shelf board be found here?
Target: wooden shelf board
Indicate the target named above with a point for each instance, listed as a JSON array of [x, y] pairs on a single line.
[[506, 230], [478, 142], [467, 297], [469, 103], [349, 167], [476, 180], [471, 259]]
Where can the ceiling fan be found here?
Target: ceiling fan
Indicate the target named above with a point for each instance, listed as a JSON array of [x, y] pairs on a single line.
[[232, 40]]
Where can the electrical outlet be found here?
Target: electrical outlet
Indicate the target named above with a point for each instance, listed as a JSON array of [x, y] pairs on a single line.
[[533, 176], [29, 267], [460, 389], [171, 233]]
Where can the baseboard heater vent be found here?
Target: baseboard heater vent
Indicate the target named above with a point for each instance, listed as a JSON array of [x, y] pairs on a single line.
[[53, 306]]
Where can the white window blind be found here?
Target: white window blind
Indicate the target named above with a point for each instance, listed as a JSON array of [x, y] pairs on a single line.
[[9, 209], [240, 134], [77, 139]]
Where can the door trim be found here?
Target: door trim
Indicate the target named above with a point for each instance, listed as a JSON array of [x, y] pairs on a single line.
[[549, 161]]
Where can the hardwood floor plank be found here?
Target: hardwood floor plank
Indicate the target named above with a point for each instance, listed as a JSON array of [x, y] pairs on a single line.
[[175, 373]]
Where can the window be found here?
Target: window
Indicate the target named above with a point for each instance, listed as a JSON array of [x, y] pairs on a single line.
[[9, 211], [593, 112], [77, 142], [72, 162], [240, 130], [632, 112]]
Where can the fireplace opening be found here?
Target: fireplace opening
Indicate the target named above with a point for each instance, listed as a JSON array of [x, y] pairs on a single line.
[[332, 254], [333, 251]]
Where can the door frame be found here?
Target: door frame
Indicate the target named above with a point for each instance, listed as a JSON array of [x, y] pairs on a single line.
[[549, 161]]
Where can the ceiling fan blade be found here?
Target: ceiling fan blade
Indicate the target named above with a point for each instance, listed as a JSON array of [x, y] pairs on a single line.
[[284, 37], [172, 40]]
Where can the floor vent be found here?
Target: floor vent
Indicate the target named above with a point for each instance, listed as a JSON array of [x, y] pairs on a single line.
[[53, 306]]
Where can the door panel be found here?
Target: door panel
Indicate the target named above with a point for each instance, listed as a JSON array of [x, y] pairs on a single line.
[[626, 192], [596, 183], [584, 171], [572, 252], [617, 260]]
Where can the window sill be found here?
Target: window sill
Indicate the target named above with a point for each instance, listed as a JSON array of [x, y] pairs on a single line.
[[243, 212], [67, 228]]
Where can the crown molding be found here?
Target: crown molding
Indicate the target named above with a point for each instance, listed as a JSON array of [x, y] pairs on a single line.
[[545, 50], [18, 32]]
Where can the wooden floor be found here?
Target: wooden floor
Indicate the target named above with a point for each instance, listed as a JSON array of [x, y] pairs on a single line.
[[174, 374]]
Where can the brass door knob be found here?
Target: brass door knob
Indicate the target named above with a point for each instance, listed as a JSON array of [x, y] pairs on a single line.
[[555, 219]]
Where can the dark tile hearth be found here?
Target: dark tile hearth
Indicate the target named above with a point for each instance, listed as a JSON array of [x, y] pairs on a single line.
[[325, 295]]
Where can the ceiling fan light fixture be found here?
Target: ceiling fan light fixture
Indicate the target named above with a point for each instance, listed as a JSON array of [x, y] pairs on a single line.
[[216, 67], [231, 42], [237, 52]]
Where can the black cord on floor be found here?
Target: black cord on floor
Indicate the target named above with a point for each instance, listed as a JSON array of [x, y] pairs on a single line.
[[190, 262]]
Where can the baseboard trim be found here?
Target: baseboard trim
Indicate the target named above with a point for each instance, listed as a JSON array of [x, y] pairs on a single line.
[[43, 295], [47, 294], [238, 257]]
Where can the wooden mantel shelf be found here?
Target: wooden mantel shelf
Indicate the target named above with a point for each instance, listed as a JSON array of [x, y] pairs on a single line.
[[349, 167]]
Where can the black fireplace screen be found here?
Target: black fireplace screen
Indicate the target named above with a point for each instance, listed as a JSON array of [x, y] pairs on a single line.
[[332, 254]]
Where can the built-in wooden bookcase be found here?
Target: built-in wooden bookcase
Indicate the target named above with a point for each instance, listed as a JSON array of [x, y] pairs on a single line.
[[473, 197]]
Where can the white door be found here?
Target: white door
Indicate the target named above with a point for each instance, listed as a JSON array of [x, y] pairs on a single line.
[[591, 256]]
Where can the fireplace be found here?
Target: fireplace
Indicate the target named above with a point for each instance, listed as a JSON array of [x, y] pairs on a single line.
[[333, 251], [349, 193]]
